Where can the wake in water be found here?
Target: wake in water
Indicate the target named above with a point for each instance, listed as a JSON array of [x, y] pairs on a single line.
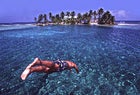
[[128, 25], [27, 30], [4, 27], [125, 23]]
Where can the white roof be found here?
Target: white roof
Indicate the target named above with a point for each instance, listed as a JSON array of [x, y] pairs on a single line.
[[66, 17]]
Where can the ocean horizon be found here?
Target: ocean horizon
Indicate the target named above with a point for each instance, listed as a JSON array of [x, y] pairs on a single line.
[[32, 22], [108, 58]]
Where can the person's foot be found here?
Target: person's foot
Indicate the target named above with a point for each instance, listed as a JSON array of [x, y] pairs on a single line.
[[35, 61], [25, 73]]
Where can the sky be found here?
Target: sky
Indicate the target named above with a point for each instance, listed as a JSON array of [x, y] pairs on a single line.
[[26, 10]]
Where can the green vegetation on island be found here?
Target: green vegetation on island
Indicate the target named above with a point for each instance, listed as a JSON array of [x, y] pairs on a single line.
[[91, 17]]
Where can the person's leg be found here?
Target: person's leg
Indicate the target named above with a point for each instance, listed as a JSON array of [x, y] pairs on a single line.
[[30, 70], [36, 61]]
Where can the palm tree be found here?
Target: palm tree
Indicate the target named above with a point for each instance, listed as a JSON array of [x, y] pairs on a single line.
[[79, 18], [100, 12], [91, 12], [68, 14], [67, 20], [40, 18], [53, 19], [94, 14], [89, 18], [62, 14], [72, 17], [45, 18], [50, 16], [112, 19], [105, 17], [35, 19], [90, 15], [72, 14], [109, 18], [85, 18], [57, 17]]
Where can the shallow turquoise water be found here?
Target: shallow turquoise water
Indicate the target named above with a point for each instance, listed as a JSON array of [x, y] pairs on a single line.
[[108, 59]]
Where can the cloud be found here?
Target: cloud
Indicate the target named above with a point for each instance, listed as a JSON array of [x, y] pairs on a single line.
[[119, 14]]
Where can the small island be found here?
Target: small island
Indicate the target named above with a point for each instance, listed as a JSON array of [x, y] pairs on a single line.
[[99, 17]]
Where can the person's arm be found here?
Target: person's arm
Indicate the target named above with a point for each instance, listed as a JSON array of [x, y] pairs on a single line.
[[72, 65], [76, 68]]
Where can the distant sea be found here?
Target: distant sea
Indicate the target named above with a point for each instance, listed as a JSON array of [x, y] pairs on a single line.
[[108, 58], [129, 22]]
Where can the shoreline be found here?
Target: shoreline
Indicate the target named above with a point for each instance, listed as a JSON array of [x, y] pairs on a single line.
[[119, 22], [127, 23], [43, 24]]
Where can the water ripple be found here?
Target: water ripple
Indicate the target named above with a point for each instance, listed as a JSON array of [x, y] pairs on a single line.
[[107, 57]]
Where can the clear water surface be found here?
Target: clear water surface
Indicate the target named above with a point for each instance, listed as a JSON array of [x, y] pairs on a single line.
[[108, 59]]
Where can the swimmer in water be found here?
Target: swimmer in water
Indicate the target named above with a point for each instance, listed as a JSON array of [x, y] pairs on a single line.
[[48, 67]]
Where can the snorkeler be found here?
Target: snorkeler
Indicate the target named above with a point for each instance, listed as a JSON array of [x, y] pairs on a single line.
[[48, 67]]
